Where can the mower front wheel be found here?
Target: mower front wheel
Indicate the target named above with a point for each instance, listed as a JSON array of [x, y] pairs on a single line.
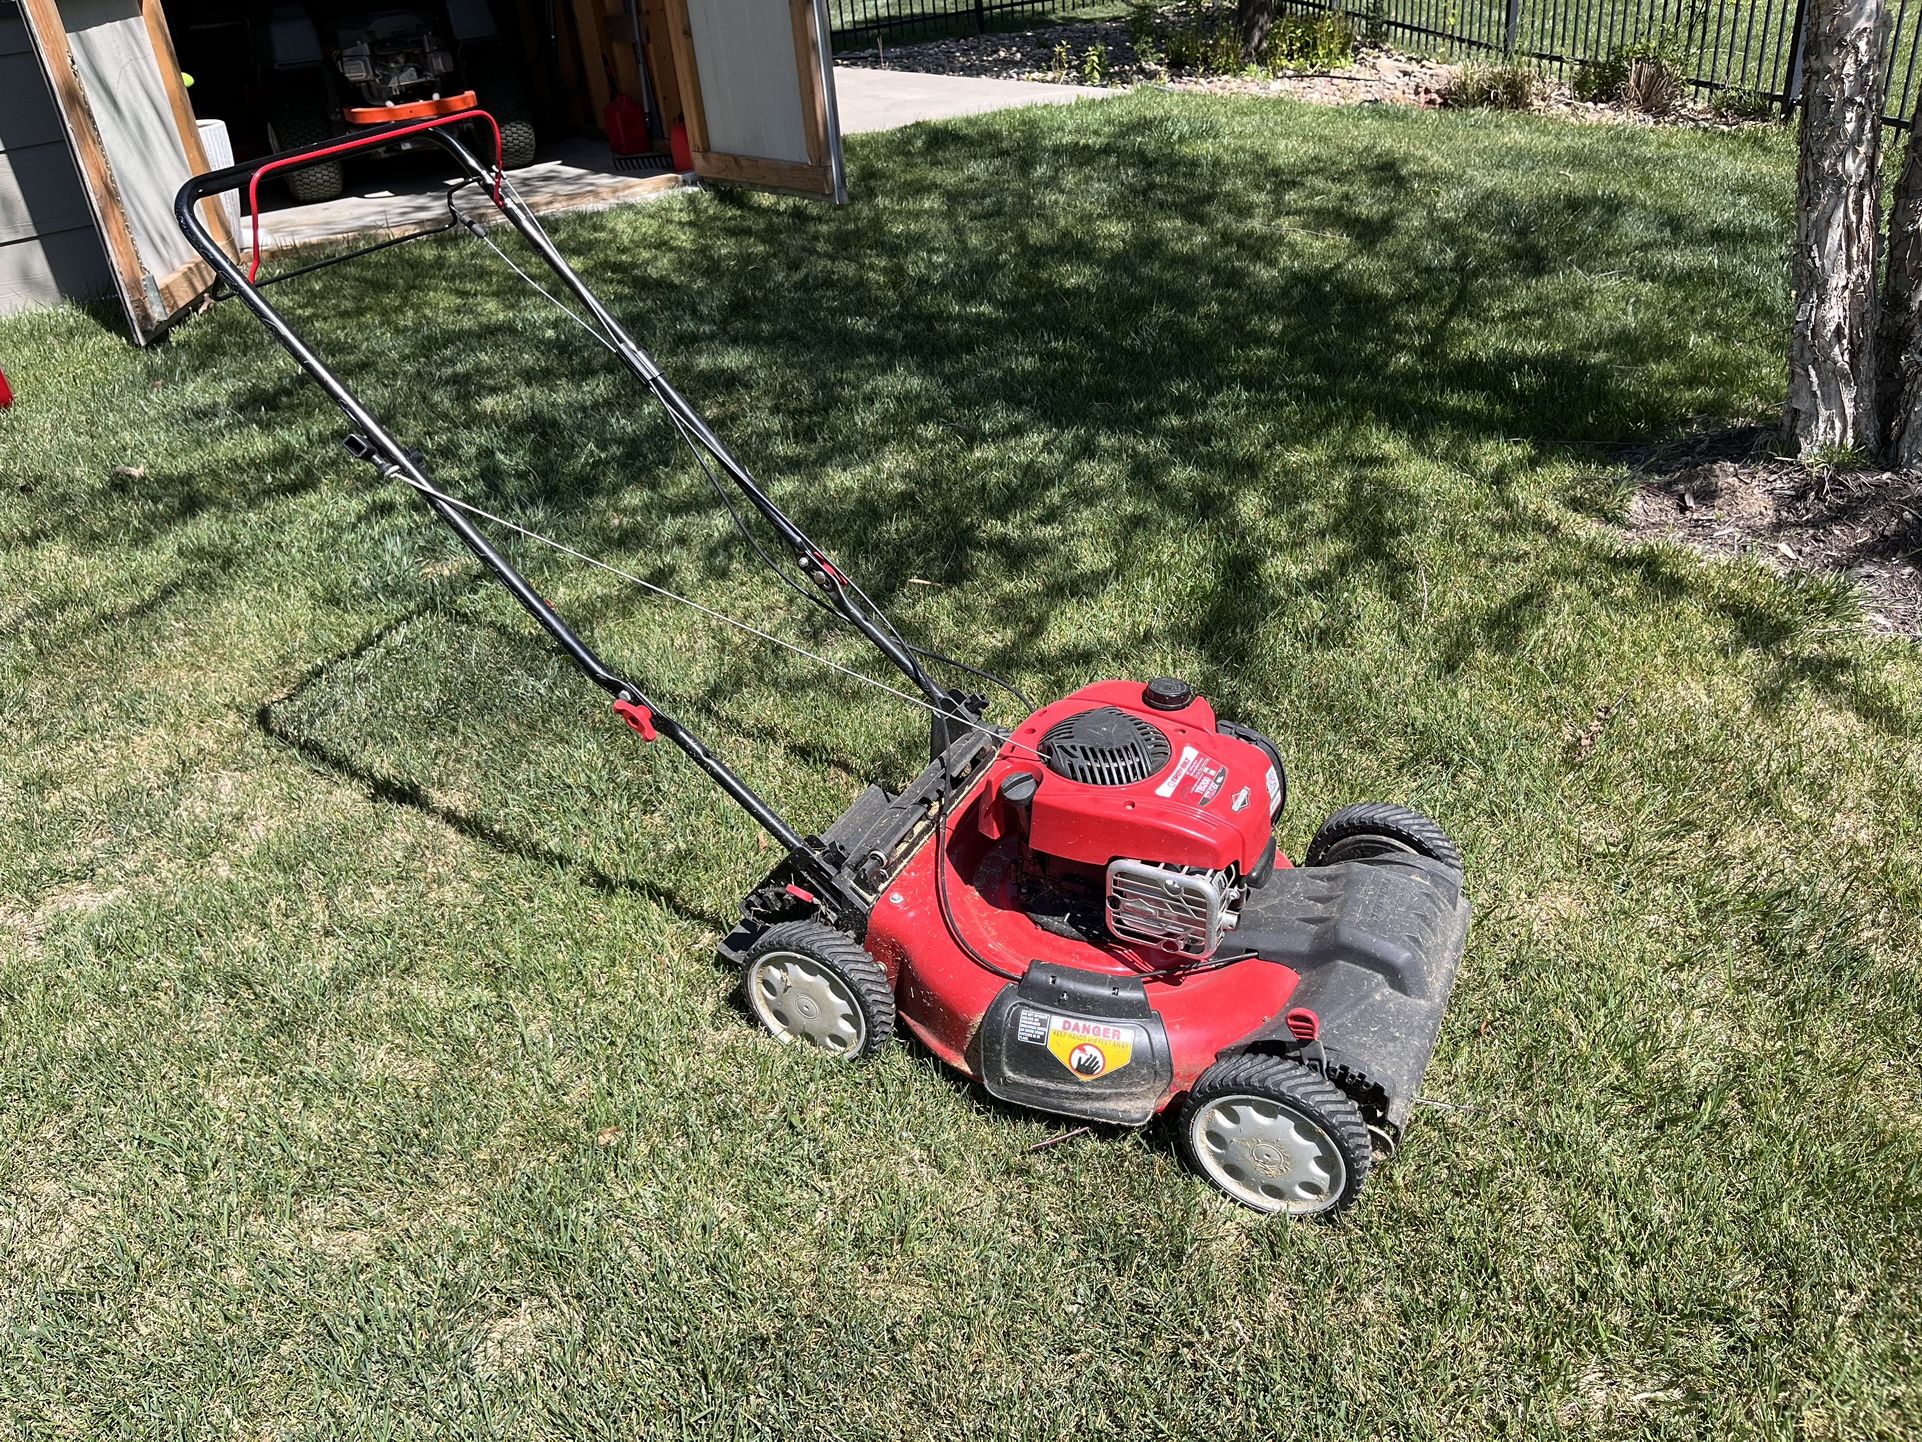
[[1380, 828], [807, 982], [1276, 1136]]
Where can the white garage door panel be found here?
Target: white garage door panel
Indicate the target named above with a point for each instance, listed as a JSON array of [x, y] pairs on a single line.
[[749, 89]]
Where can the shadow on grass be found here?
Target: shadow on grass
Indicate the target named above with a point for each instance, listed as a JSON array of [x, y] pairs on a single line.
[[1046, 350]]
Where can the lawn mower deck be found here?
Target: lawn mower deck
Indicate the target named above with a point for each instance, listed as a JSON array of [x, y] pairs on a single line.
[[1086, 912], [1338, 971]]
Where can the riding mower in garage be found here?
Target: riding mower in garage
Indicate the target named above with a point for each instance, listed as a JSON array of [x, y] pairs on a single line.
[[335, 71]]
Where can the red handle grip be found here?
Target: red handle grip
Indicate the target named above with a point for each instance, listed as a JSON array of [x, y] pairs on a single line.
[[371, 141]]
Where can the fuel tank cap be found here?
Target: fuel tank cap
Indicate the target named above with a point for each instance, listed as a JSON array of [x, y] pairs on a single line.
[[1165, 693]]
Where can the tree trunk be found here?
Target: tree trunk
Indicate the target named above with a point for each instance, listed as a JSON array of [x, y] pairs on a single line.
[[1898, 396], [1256, 18], [1832, 374]]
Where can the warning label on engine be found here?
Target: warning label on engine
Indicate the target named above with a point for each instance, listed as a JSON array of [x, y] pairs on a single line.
[[1198, 777]]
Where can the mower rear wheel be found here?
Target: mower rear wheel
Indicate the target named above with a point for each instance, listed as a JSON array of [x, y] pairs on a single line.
[[1380, 828], [807, 982], [1276, 1136]]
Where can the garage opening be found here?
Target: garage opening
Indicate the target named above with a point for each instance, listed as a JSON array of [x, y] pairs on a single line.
[[585, 92], [606, 99]]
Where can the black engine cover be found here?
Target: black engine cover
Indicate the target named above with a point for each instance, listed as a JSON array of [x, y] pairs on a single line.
[[1077, 1043]]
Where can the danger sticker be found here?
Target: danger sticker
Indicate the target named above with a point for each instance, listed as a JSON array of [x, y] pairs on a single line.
[[1198, 777], [1090, 1049], [1274, 791]]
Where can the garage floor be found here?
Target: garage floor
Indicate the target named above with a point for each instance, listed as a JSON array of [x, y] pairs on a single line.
[[407, 194]]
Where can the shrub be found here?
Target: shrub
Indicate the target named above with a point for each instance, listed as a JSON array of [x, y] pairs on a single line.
[[1310, 42], [1204, 38], [1650, 69], [1653, 87], [1733, 104], [1094, 65], [1507, 86], [1144, 34]]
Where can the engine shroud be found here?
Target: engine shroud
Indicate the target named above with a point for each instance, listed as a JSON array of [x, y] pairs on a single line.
[[1102, 775]]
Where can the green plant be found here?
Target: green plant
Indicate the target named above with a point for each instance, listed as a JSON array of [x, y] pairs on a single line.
[[1094, 65], [1663, 58], [1203, 38], [1061, 62], [1310, 42], [1742, 104], [1509, 85], [1144, 35]]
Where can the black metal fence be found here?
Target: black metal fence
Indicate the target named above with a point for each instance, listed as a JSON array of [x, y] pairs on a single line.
[[855, 22], [1749, 50]]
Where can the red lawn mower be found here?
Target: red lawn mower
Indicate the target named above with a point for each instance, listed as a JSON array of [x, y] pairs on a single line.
[[1084, 912]]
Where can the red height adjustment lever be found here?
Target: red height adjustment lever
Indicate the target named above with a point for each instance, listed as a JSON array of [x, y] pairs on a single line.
[[636, 716]]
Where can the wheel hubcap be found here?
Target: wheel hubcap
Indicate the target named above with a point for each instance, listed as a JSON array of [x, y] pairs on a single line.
[[1269, 1154], [799, 999]]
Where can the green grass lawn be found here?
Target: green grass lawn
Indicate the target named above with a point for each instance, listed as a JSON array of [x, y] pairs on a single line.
[[364, 1067]]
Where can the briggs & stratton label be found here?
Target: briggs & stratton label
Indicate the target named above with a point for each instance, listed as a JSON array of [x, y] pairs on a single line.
[[1203, 774]]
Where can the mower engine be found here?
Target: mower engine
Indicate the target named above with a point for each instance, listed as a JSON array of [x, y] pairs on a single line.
[[392, 58], [1163, 823]]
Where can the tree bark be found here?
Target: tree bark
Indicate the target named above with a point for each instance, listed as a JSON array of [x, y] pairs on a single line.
[[1256, 18], [1832, 370], [1898, 396]]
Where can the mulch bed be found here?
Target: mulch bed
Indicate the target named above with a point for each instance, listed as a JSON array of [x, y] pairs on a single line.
[[1376, 75], [1726, 495]]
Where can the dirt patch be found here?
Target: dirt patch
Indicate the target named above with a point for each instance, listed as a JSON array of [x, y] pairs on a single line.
[[1728, 496]]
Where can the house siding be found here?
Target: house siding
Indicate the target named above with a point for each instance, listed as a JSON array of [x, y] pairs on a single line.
[[49, 248]]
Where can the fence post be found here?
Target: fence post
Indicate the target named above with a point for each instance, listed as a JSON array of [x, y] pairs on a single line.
[[980, 17], [1511, 27], [1798, 37]]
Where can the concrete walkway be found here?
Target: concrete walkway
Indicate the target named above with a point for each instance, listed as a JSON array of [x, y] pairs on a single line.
[[887, 99]]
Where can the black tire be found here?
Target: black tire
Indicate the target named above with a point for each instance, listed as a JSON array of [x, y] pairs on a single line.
[[1276, 1136], [1380, 828], [1256, 738], [301, 120], [798, 977], [499, 90]]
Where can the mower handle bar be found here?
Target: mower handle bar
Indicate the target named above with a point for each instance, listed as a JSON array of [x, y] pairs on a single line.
[[372, 137], [219, 182], [844, 598], [375, 444]]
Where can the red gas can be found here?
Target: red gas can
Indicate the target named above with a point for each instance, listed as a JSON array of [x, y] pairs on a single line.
[[678, 146], [626, 127]]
